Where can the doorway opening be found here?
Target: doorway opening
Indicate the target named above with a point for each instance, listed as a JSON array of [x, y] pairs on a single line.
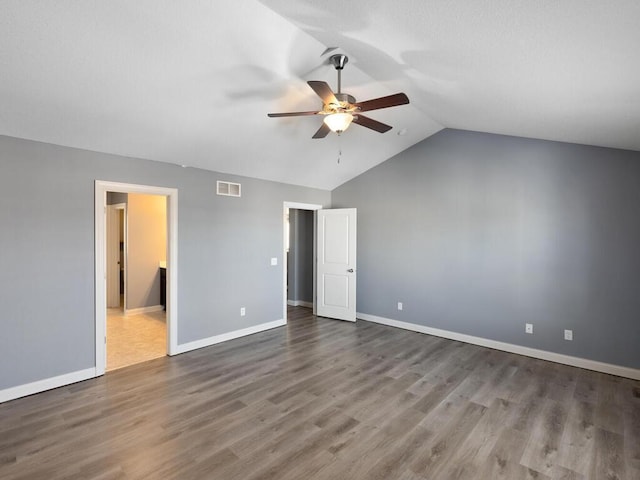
[[299, 246], [136, 260], [300, 258], [136, 265]]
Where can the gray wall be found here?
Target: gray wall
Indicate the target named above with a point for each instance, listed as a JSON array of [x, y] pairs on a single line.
[[300, 266], [114, 198], [47, 253], [479, 233]]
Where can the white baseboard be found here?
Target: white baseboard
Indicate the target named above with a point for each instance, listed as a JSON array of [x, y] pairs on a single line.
[[46, 384], [299, 303], [73, 377], [206, 342], [609, 368], [141, 310]]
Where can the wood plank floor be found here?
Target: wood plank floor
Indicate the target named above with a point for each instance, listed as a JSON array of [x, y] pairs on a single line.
[[323, 399]]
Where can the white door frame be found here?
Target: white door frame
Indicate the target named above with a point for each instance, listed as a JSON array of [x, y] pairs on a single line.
[[119, 207], [101, 189], [285, 267], [125, 234]]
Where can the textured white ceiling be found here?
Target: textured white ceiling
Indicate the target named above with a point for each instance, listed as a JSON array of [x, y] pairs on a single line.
[[190, 82]]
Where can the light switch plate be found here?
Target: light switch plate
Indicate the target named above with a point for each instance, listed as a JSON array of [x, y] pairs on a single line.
[[274, 260]]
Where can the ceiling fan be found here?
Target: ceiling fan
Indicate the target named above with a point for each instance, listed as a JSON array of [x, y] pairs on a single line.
[[340, 109]]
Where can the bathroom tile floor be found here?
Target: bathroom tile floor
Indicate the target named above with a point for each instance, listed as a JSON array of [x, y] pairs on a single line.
[[134, 338]]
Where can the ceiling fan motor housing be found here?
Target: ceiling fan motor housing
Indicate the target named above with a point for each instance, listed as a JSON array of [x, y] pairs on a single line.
[[345, 97]]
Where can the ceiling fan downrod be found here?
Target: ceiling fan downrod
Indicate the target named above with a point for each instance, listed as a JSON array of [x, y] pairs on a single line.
[[339, 61]]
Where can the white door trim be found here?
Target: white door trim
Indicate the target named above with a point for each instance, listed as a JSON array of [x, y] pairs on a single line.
[[113, 256], [116, 208], [101, 189], [299, 206], [125, 233]]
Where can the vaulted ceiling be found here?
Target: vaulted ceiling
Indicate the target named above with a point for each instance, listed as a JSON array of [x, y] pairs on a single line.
[[190, 82]]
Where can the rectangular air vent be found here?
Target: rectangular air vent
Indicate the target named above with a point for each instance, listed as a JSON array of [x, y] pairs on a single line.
[[228, 189]]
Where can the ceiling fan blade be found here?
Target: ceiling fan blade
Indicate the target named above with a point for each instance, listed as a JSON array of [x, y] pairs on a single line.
[[291, 114], [371, 123], [323, 90], [322, 132], [382, 102]]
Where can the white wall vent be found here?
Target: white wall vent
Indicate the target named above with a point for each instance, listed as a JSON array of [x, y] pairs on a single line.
[[228, 189]]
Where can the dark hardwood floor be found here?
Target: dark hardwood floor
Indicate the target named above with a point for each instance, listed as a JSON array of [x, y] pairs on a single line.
[[324, 399]]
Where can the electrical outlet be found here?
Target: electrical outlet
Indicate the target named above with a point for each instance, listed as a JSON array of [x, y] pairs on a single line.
[[243, 311], [528, 327], [568, 335], [399, 305], [274, 260]]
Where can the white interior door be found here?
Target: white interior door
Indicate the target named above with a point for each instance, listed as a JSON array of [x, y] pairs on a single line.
[[113, 256], [336, 265]]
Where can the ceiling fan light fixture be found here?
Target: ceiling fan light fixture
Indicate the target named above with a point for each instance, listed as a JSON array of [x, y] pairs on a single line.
[[338, 122]]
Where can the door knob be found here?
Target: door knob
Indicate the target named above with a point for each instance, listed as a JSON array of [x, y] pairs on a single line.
[[350, 270]]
